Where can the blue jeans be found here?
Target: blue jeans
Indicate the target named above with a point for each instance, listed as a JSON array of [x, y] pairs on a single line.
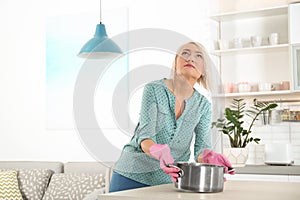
[[119, 183]]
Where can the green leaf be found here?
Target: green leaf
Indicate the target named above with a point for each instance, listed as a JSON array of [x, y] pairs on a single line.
[[234, 124], [257, 140], [245, 132]]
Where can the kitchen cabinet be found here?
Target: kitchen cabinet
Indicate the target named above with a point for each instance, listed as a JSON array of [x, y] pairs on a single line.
[[242, 60], [294, 32], [295, 60], [256, 177], [260, 177], [294, 16], [267, 173], [294, 178]]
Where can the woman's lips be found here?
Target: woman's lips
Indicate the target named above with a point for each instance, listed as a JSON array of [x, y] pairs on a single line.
[[189, 65]]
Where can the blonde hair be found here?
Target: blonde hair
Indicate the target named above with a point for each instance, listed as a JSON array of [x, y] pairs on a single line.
[[203, 80]]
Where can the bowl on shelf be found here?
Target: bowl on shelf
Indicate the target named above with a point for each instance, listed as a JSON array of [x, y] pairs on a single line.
[[265, 87], [223, 44], [273, 38], [285, 85], [237, 43], [228, 87], [244, 87], [256, 40], [254, 87], [276, 86]]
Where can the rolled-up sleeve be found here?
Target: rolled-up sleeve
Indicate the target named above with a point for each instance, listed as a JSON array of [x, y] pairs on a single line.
[[202, 131]]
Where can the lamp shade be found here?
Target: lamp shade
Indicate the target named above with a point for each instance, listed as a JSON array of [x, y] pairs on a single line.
[[100, 46]]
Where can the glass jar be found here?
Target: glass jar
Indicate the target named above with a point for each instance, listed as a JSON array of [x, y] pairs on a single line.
[[285, 115], [298, 115]]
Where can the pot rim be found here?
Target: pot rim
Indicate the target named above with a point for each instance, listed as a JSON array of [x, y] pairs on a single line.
[[198, 164]]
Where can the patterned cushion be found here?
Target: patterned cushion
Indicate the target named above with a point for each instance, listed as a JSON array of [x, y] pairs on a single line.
[[9, 187], [34, 182], [73, 186]]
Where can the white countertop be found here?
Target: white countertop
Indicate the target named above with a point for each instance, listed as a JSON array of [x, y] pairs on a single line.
[[242, 190], [293, 170]]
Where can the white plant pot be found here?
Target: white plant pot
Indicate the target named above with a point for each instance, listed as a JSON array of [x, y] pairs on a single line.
[[237, 156]]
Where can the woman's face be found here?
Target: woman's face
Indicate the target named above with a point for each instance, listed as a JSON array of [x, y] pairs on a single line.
[[190, 62]]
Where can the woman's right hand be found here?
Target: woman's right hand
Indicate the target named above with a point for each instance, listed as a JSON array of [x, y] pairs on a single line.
[[162, 153]]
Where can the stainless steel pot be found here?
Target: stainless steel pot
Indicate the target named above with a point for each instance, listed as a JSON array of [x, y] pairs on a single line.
[[200, 177]]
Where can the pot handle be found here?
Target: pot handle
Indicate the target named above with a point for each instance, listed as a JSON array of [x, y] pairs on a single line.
[[230, 169], [180, 173]]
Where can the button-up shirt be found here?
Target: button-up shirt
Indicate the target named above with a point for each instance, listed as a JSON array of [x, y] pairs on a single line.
[[158, 122]]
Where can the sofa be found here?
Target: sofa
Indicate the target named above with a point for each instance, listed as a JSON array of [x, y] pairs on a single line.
[[34, 180]]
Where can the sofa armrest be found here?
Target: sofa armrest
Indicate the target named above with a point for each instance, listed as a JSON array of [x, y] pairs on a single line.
[[108, 175]]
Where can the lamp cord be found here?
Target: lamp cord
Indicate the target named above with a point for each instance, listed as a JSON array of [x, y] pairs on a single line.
[[100, 13]]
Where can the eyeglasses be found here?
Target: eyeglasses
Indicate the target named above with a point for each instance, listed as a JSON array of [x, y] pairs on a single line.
[[186, 54]]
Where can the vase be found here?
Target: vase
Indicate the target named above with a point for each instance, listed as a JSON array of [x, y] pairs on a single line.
[[237, 156]]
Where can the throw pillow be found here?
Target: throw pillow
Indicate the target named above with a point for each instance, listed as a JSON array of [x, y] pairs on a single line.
[[34, 182], [9, 187], [73, 186]]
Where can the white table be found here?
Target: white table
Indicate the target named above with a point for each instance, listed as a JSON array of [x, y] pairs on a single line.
[[233, 190]]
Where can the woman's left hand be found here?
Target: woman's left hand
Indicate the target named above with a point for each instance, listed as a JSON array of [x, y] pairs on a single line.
[[211, 157]]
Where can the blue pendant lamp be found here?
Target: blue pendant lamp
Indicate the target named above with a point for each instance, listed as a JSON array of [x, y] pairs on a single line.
[[100, 46]]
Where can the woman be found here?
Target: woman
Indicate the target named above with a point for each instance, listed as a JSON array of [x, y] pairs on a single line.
[[172, 112]]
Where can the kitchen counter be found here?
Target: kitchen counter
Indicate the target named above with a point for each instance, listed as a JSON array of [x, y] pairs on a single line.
[[269, 170], [233, 190]]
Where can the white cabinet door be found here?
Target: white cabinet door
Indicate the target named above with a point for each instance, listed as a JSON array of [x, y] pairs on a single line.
[[294, 178], [295, 58], [294, 24]]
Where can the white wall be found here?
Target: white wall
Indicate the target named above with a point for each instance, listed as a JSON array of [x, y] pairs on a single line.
[[23, 132]]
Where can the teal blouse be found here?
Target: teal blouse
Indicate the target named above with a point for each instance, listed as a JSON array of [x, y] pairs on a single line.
[[158, 122]]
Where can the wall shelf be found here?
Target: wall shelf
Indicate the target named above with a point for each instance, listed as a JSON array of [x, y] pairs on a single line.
[[262, 64], [264, 12], [257, 93], [250, 49]]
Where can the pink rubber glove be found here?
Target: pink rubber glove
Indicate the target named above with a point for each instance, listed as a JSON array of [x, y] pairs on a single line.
[[211, 157], [162, 153]]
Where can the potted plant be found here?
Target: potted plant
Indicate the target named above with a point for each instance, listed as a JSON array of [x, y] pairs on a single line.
[[239, 133]]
